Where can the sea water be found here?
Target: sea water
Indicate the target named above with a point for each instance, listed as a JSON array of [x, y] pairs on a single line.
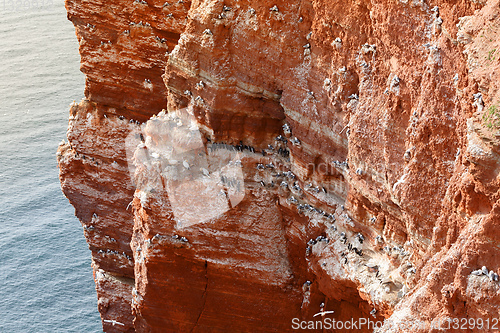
[[45, 274]]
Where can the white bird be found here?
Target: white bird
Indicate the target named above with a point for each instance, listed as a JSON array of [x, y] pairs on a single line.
[[205, 172], [337, 42], [286, 129], [114, 322], [200, 85], [185, 164], [322, 313], [407, 156]]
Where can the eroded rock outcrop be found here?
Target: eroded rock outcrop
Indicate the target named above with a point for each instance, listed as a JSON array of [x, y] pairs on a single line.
[[364, 135]]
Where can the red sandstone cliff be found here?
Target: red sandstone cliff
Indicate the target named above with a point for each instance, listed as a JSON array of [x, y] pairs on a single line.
[[392, 157]]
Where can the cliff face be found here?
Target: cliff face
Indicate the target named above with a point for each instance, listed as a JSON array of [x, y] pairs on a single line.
[[378, 197]]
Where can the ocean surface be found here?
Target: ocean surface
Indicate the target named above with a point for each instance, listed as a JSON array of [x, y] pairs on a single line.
[[45, 274]]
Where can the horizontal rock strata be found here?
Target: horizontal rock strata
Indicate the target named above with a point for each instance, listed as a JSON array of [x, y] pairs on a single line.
[[310, 156]]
